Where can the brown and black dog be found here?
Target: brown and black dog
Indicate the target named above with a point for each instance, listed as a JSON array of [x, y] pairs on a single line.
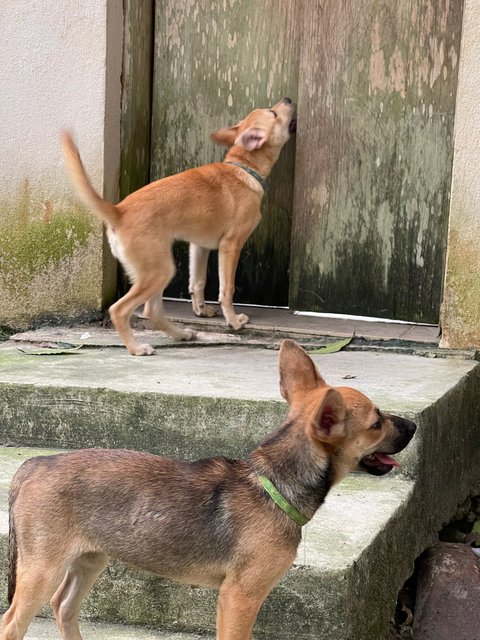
[[216, 206], [212, 522]]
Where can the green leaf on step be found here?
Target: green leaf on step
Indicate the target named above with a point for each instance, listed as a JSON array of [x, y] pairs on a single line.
[[50, 352], [333, 347], [476, 526]]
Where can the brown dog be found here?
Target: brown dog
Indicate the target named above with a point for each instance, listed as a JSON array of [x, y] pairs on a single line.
[[213, 522], [216, 206]]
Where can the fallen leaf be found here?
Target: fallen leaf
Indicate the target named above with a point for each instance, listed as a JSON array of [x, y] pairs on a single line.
[[49, 352], [333, 347]]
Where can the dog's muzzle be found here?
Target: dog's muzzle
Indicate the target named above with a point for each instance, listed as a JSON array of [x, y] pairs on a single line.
[[292, 127], [379, 462]]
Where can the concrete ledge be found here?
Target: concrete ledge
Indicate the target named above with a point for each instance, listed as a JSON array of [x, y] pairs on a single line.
[[42, 629], [189, 403], [173, 425]]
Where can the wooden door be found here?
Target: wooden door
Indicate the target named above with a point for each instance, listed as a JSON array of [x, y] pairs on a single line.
[[375, 83], [374, 156]]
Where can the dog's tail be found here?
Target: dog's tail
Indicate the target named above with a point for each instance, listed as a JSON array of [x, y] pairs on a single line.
[[108, 212], [12, 547]]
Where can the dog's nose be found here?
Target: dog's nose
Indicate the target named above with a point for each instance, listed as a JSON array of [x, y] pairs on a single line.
[[287, 101], [410, 427], [405, 426], [404, 429]]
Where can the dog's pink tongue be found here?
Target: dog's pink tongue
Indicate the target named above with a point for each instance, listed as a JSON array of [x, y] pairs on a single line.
[[384, 459]]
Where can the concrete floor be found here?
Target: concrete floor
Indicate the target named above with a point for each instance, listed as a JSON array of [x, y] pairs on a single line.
[[285, 320], [42, 629]]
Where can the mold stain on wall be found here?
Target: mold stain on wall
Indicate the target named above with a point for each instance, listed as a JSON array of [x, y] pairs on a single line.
[[50, 257]]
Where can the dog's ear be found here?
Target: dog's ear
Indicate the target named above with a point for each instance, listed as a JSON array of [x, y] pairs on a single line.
[[298, 374], [225, 136], [328, 421], [252, 138]]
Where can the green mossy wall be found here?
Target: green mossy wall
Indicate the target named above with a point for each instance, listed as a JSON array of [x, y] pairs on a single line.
[[50, 259]]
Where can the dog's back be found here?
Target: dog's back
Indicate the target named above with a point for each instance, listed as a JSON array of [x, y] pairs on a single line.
[[167, 516]]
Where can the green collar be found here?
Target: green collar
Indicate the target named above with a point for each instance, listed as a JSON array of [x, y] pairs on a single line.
[[252, 172], [281, 502]]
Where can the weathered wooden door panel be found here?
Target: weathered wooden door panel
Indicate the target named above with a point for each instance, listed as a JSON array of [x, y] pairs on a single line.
[[213, 63], [374, 155], [136, 95], [136, 103]]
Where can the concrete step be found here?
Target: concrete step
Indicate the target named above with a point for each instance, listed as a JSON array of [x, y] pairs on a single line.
[[191, 402], [43, 629]]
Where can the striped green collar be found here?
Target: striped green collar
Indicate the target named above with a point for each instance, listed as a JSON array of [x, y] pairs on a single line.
[[251, 171], [279, 500]]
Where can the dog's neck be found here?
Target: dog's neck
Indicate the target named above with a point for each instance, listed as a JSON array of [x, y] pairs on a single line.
[[299, 471], [261, 160]]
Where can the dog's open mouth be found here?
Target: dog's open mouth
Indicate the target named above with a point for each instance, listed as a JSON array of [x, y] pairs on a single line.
[[292, 127], [378, 463]]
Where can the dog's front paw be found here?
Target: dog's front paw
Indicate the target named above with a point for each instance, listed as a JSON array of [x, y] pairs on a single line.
[[238, 321], [204, 311], [142, 350]]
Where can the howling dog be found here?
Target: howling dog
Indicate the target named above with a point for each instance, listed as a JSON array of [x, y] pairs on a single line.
[[216, 206]]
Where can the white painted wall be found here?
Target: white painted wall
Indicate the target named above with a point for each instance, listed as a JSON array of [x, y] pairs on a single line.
[[461, 304], [60, 66], [52, 75]]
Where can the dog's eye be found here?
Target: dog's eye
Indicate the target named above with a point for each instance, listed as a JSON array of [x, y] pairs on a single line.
[[377, 425], [274, 112]]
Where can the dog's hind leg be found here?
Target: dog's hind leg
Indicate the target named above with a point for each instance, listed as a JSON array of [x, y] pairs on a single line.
[[159, 321], [67, 600], [121, 312], [149, 285], [34, 588], [198, 279]]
